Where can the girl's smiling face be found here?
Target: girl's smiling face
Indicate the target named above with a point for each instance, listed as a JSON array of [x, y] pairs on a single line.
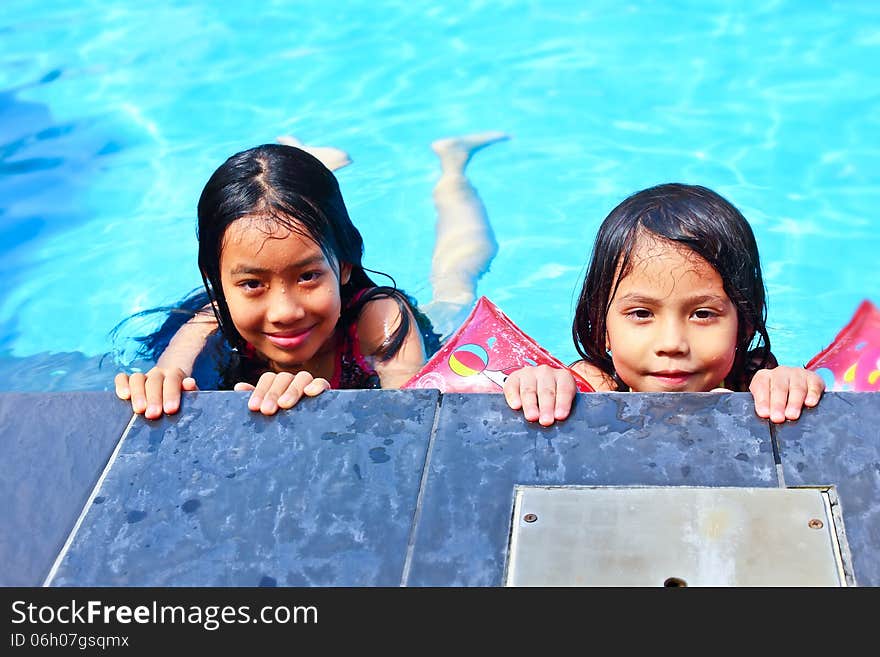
[[283, 294], [671, 326]]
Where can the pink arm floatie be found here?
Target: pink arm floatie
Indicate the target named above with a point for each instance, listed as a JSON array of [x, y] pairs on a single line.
[[852, 360], [479, 356]]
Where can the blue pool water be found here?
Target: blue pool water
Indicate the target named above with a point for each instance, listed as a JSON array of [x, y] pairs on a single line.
[[113, 115]]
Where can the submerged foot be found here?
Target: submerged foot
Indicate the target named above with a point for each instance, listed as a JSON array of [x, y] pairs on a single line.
[[332, 158], [457, 151]]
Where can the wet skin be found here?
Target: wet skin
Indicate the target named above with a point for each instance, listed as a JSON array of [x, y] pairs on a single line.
[[671, 326], [283, 296]]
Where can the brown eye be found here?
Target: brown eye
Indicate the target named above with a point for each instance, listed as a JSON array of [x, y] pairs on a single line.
[[249, 285], [310, 276]]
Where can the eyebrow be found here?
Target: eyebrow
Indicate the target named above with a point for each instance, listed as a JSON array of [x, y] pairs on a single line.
[[636, 297], [301, 264]]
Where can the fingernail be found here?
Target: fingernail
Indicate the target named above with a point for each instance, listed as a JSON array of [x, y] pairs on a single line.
[[154, 409], [255, 402]]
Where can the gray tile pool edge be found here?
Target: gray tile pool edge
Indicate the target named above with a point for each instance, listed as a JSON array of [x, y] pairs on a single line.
[[88, 503], [417, 513], [301, 499], [783, 461]]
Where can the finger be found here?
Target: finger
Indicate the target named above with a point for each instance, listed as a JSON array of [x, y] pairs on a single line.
[[154, 384], [295, 389], [241, 386], [171, 392], [760, 389], [815, 388], [511, 391], [546, 398], [136, 383], [316, 387], [262, 387], [528, 394], [189, 384], [121, 383], [779, 384], [565, 394], [279, 387], [797, 393]]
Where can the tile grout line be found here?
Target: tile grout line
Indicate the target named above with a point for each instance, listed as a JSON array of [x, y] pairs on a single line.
[[63, 553], [411, 544], [777, 456]]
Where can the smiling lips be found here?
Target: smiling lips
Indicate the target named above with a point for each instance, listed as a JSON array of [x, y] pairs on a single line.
[[289, 339], [673, 378]]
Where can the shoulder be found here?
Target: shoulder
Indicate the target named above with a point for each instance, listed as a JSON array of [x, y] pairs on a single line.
[[379, 310], [600, 380], [378, 320]]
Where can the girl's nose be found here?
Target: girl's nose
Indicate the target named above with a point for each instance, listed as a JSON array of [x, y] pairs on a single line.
[[671, 339], [285, 307]]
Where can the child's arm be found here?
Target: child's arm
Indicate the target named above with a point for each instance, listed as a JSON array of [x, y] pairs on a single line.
[[782, 392], [159, 389], [378, 321], [545, 393]]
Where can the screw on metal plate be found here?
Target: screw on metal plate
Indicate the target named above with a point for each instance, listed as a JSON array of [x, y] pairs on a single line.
[[530, 517], [815, 523]]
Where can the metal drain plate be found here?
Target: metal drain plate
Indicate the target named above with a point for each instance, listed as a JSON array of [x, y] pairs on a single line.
[[671, 536]]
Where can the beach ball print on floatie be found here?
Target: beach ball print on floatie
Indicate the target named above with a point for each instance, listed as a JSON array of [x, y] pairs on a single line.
[[472, 360], [852, 360], [482, 353]]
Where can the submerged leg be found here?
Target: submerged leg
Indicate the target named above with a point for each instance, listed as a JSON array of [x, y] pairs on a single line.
[[332, 158], [465, 244]]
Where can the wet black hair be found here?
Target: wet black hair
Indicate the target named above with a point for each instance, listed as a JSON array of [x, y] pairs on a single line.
[[281, 186], [707, 224]]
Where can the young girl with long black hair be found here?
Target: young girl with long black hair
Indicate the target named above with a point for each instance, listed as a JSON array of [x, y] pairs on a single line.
[[673, 301], [284, 282]]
